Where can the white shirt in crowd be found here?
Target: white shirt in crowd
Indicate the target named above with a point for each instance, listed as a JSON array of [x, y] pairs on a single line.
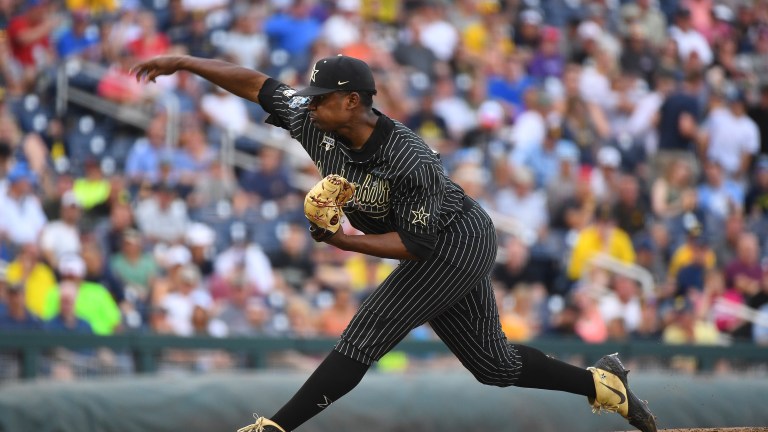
[[612, 308], [168, 224], [441, 38], [179, 308], [226, 111], [689, 42], [257, 268], [21, 220], [59, 239], [529, 131], [730, 138]]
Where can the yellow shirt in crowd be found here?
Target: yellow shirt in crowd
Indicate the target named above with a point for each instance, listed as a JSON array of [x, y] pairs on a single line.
[[39, 283], [683, 256], [589, 244]]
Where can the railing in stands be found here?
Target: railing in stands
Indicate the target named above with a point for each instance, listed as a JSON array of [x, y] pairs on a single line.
[[128, 114], [145, 349]]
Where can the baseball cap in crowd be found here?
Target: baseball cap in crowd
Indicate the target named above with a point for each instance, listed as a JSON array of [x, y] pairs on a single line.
[[692, 225], [69, 199], [531, 16], [722, 12], [589, 30], [567, 153], [199, 234], [72, 265], [339, 73], [177, 255], [609, 156], [20, 172], [490, 113]]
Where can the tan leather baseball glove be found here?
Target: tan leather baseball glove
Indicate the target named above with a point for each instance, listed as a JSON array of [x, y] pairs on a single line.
[[322, 205]]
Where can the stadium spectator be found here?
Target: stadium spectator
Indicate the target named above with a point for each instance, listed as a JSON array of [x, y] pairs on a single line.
[[605, 177], [622, 304], [731, 137], [162, 216], [62, 237], [332, 320], [292, 261], [638, 58], [293, 30], [688, 328], [746, 277], [719, 195], [543, 159], [35, 277], [271, 180], [245, 42], [16, 316], [23, 216], [670, 190], [690, 277], [759, 114], [225, 111], [509, 82], [93, 303], [678, 120], [515, 269], [80, 39], [243, 313], [180, 303], [691, 44], [726, 240], [150, 43], [646, 14], [242, 260], [67, 320], [135, 270], [143, 162], [631, 207], [756, 200], [562, 183], [695, 239], [93, 190], [29, 34], [600, 237]]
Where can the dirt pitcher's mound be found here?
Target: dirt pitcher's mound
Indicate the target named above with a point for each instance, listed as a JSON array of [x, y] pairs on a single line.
[[738, 429]]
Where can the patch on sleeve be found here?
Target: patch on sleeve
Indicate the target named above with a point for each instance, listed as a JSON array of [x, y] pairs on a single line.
[[420, 216]]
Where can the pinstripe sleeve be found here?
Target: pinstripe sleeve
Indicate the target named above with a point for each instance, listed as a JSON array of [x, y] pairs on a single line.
[[417, 205], [285, 110]]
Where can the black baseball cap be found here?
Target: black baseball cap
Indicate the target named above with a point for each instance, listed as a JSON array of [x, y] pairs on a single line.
[[339, 73]]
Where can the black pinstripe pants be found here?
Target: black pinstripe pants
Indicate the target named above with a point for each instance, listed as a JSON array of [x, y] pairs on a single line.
[[452, 291]]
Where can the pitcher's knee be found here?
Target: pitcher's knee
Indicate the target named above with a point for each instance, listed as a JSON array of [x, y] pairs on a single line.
[[496, 379]]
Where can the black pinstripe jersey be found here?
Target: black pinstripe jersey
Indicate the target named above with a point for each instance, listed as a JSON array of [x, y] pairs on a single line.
[[400, 182]]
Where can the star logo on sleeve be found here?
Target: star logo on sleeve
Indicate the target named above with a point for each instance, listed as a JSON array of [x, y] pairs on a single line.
[[420, 216]]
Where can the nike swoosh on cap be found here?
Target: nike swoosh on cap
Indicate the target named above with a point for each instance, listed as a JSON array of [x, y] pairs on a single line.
[[620, 394], [341, 82]]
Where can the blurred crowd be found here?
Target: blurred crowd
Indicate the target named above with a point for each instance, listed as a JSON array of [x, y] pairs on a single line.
[[631, 131]]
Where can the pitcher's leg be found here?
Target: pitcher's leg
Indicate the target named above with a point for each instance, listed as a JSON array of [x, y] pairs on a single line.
[[336, 376], [472, 330]]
